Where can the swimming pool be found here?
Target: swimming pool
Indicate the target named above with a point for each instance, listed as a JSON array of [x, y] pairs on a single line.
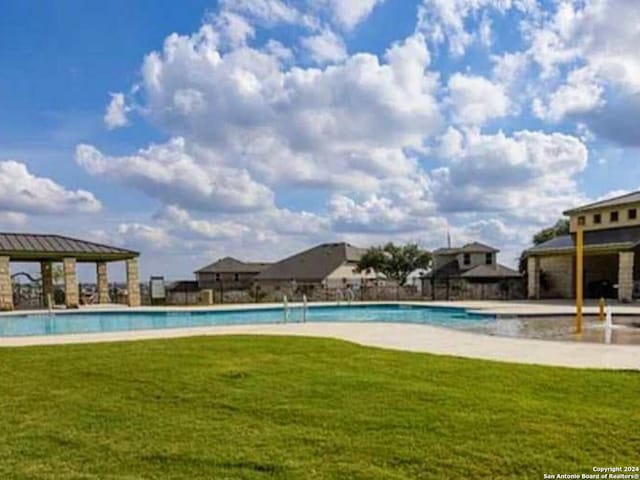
[[60, 323]]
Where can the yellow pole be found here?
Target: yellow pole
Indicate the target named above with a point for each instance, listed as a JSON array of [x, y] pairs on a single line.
[[579, 276], [602, 305]]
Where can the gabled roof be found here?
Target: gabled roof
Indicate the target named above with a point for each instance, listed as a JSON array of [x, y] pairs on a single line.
[[233, 265], [449, 269], [313, 265], [453, 270], [486, 271], [473, 247], [34, 246], [633, 197], [621, 238]]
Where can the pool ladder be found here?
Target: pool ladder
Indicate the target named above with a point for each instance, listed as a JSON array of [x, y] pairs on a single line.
[[285, 308], [305, 308]]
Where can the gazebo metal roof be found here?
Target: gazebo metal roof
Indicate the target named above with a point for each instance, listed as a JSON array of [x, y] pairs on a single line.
[[32, 247]]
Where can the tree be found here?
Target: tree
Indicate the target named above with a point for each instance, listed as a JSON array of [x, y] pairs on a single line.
[[561, 227], [395, 261]]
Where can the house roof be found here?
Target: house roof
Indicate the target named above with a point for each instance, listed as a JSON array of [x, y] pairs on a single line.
[[621, 238], [452, 270], [314, 264], [486, 271], [633, 197], [473, 247], [41, 247], [233, 265]]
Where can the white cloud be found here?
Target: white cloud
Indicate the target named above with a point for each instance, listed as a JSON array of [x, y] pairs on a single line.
[[233, 28], [529, 175], [349, 13], [173, 173], [179, 219], [474, 99], [590, 69], [116, 114], [12, 219], [326, 47], [266, 11], [290, 125], [23, 192], [444, 20], [143, 237]]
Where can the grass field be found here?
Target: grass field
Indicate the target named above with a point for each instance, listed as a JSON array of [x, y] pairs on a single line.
[[261, 407]]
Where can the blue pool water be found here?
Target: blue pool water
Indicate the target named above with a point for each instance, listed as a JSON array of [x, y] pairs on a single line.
[[90, 322]]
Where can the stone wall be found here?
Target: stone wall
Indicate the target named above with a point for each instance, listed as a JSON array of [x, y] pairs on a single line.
[[6, 290], [133, 282], [625, 276], [71, 291], [102, 282], [46, 270], [556, 274]]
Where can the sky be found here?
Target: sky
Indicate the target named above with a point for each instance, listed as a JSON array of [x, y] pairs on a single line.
[[256, 128]]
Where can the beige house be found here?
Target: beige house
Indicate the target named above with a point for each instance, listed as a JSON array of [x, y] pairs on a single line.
[[470, 272], [326, 266], [611, 241]]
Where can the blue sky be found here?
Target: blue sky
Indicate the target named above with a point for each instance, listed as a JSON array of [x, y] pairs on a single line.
[[260, 127]]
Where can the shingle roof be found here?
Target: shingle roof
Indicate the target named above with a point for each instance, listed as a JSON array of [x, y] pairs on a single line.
[[452, 270], [313, 265], [233, 265], [633, 197], [486, 271], [32, 246], [473, 247], [593, 239]]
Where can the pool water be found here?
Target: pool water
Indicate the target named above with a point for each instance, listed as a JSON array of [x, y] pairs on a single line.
[[95, 322]]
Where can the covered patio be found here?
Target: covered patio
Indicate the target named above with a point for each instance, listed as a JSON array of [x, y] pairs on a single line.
[[610, 267], [49, 249]]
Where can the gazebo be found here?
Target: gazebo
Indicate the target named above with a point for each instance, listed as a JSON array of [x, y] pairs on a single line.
[[47, 249]]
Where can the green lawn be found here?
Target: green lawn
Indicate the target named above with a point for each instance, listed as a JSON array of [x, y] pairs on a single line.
[[263, 407]]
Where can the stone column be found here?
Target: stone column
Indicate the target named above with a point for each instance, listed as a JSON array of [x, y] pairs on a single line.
[[533, 280], [71, 291], [6, 289], [133, 282], [46, 271], [103, 282], [625, 276]]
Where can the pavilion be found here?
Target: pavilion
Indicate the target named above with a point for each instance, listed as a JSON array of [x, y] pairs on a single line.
[[47, 249]]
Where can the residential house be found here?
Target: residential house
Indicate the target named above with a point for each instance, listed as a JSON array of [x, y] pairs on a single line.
[[229, 274], [611, 241], [471, 272], [326, 266]]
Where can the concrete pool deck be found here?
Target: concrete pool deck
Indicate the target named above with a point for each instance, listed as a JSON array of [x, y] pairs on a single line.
[[407, 337]]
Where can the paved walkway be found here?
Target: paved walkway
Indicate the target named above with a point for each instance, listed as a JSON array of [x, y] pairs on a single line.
[[415, 338]]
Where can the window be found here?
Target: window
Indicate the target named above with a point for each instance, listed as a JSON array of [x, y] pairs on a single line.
[[236, 277], [597, 219], [632, 214], [614, 217], [488, 259], [581, 220], [217, 277], [467, 259]]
